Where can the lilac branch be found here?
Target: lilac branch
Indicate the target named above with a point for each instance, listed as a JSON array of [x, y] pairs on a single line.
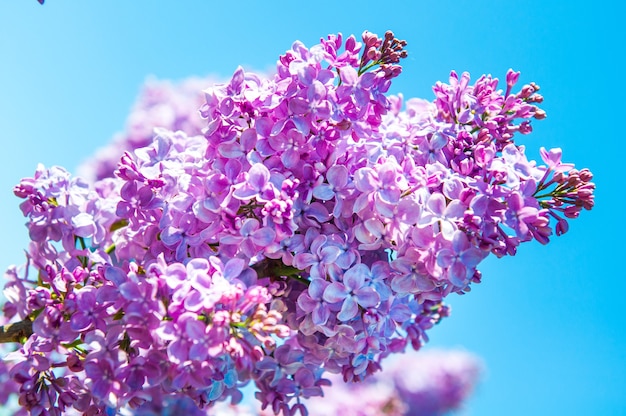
[[16, 332]]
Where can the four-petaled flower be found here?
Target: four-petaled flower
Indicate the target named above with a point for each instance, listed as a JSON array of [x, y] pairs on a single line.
[[461, 260], [352, 292]]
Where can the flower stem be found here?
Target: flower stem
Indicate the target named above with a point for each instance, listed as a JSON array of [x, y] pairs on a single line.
[[275, 268], [16, 332]]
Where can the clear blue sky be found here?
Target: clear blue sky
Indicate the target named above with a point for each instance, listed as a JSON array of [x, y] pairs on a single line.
[[549, 323]]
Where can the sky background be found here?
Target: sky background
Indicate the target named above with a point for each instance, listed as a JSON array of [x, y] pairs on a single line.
[[549, 323]]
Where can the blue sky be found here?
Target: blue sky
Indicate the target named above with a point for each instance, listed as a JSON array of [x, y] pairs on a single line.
[[548, 323]]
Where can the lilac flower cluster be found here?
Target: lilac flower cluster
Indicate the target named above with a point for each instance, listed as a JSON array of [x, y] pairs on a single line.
[[425, 383], [313, 228]]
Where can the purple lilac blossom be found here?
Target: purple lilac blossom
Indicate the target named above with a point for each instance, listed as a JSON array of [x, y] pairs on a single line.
[[424, 383], [311, 228], [10, 390], [442, 380]]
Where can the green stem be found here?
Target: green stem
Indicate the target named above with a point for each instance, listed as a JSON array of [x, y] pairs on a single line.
[[275, 268], [366, 68], [110, 249], [544, 196], [84, 260]]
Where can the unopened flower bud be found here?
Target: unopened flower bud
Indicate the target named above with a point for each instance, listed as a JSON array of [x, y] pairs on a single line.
[[561, 227], [527, 91], [540, 114], [585, 175], [572, 211]]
